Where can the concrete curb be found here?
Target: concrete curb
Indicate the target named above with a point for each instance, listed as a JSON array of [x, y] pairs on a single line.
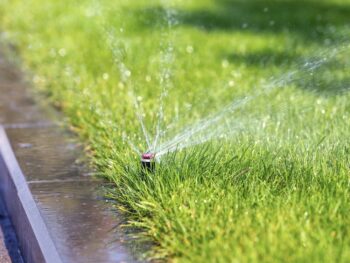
[[34, 239]]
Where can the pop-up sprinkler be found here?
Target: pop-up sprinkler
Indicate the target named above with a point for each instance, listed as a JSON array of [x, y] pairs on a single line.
[[148, 161]]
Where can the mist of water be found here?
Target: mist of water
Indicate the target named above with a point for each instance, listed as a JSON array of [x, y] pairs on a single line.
[[221, 124], [167, 60]]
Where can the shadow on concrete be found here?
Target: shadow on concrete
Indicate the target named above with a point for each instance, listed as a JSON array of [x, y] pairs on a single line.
[[10, 238]]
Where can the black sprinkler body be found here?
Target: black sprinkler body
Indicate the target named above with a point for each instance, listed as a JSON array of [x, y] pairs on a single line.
[[148, 162]]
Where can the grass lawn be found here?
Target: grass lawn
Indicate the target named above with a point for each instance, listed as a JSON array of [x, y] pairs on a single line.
[[276, 189]]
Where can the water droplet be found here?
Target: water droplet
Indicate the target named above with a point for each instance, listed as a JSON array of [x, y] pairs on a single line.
[[225, 63], [148, 78], [52, 52], [327, 41], [121, 85], [105, 76], [38, 79], [68, 71], [236, 74], [189, 49], [62, 52], [188, 105], [128, 73]]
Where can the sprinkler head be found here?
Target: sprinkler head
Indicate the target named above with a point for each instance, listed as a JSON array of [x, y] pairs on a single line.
[[148, 161]]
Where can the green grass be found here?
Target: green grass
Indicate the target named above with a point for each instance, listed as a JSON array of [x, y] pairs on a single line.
[[278, 191]]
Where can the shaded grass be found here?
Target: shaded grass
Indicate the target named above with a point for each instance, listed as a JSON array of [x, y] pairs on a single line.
[[307, 20], [279, 190]]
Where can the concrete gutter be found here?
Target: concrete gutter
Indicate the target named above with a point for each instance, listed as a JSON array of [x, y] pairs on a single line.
[[34, 239]]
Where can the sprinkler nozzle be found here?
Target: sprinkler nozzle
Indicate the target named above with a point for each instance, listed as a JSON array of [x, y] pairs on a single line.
[[148, 161]]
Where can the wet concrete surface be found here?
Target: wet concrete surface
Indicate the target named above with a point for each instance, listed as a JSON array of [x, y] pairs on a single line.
[[68, 195]]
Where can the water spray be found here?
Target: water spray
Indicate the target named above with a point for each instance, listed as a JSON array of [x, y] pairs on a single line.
[[218, 124], [148, 162]]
